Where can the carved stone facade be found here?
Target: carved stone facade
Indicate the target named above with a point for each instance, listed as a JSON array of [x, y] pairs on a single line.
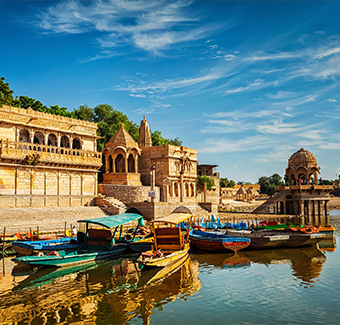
[[171, 169], [46, 160], [304, 196]]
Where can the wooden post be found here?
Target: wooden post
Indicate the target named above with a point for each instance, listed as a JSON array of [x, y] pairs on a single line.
[[65, 228], [3, 243], [38, 232], [31, 233]]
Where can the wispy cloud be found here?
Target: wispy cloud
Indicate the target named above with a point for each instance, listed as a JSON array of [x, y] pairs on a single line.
[[228, 145], [148, 25]]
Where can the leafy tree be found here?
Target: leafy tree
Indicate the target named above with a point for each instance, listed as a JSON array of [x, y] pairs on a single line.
[[267, 184], [6, 94], [109, 122], [158, 140], [85, 113], [231, 184], [327, 182], [205, 179], [224, 182]]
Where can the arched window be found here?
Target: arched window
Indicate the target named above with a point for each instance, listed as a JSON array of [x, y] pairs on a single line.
[[38, 138], [24, 135], [131, 164], [187, 193], [120, 164], [176, 189], [64, 142], [76, 144], [192, 190], [110, 164], [52, 140]]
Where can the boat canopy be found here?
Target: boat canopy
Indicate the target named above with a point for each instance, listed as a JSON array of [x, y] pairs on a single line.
[[174, 218], [114, 221]]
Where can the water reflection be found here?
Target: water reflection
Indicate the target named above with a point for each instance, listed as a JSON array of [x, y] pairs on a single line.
[[111, 292]]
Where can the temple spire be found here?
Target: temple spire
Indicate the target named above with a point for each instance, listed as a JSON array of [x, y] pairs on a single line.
[[144, 139]]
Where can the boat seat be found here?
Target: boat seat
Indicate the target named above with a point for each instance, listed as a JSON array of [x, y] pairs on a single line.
[[100, 233], [169, 238]]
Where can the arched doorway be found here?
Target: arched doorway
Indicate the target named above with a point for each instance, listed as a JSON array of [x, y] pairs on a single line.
[[120, 164], [64, 142], [24, 135], [52, 140], [38, 138], [131, 164], [76, 144]]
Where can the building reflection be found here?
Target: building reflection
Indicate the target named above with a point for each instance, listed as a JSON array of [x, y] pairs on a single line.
[[306, 262], [112, 292]]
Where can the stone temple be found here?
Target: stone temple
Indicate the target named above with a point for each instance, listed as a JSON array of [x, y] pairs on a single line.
[[151, 180], [304, 195]]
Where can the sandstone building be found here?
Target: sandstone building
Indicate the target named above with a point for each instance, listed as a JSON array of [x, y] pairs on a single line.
[[155, 180], [46, 160], [304, 195]]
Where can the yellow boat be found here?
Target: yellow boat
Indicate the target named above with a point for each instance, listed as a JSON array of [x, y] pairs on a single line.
[[170, 243]]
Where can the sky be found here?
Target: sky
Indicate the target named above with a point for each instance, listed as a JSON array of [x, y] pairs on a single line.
[[246, 83]]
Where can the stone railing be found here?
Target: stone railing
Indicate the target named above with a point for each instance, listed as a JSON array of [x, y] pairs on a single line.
[[19, 150], [304, 187]]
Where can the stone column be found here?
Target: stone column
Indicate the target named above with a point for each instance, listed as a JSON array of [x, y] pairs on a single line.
[[107, 164], [70, 139], [327, 218], [126, 164], [309, 212], [302, 208], [296, 207], [316, 211], [181, 185], [136, 164]]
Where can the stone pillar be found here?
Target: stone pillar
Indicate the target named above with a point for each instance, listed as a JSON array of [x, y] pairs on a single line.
[[284, 207], [71, 142], [296, 207], [126, 164], [327, 218], [181, 185], [316, 211], [302, 208], [136, 164], [309, 212], [320, 215], [205, 192]]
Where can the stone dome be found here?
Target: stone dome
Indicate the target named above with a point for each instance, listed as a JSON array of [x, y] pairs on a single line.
[[302, 158]]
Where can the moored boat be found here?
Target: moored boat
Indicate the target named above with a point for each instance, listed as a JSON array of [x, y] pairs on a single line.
[[98, 243], [217, 242], [170, 243], [25, 247]]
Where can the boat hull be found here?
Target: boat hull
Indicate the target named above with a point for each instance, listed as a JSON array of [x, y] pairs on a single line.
[[213, 242], [72, 258], [167, 259]]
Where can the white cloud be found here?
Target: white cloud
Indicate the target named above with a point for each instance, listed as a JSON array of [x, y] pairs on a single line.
[[254, 84], [146, 25], [331, 145], [280, 95], [227, 145], [331, 100], [222, 122]]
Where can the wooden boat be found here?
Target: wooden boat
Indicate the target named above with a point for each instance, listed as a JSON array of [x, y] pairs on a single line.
[[217, 242], [170, 244], [97, 243], [260, 240], [141, 245], [25, 247]]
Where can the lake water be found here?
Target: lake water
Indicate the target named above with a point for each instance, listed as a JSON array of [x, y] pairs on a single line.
[[282, 286]]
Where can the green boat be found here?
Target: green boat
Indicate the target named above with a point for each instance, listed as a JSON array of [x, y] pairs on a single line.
[[105, 242]]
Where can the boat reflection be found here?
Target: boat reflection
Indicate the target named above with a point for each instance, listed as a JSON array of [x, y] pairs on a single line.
[[223, 259], [111, 292], [306, 262]]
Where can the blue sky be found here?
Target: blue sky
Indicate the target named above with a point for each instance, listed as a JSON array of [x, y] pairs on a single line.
[[247, 84]]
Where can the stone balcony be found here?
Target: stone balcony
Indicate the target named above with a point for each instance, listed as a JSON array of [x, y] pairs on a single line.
[[305, 187], [49, 155]]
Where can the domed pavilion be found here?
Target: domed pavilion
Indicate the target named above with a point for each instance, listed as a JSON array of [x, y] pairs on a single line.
[[303, 196]]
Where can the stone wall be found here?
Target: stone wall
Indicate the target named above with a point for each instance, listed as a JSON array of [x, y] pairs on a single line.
[[40, 186], [128, 193]]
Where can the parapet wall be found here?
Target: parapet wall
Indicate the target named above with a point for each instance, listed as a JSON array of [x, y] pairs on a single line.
[[128, 193]]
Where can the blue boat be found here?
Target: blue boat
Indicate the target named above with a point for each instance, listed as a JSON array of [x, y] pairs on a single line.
[[105, 242], [25, 247], [216, 242]]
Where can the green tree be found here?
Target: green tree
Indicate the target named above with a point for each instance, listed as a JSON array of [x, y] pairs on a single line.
[[84, 113], [158, 140], [231, 184], [6, 94], [109, 122], [205, 179], [224, 182], [267, 184]]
